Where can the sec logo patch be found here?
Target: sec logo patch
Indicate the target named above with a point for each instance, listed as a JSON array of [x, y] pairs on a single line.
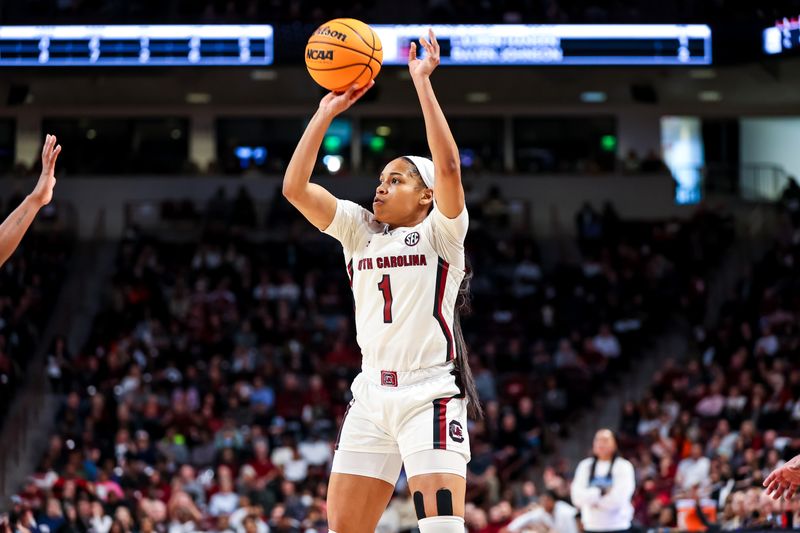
[[412, 238]]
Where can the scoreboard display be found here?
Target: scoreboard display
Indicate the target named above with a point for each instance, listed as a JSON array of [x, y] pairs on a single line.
[[568, 44], [783, 38], [133, 45], [254, 45]]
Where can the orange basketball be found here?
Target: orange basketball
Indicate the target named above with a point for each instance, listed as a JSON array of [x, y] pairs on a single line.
[[343, 52]]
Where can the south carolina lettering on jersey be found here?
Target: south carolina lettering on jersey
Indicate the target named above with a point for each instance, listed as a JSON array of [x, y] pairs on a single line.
[[392, 261]]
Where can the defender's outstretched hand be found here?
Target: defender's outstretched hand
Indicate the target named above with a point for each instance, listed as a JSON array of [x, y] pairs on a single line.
[[43, 192], [784, 481], [14, 227]]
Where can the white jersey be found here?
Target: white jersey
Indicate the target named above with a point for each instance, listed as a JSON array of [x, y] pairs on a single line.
[[405, 283]]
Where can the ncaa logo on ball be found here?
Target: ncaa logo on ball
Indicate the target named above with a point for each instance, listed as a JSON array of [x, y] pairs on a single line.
[[412, 239], [319, 54], [456, 431]]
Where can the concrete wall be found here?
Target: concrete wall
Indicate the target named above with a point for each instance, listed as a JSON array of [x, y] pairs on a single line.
[[551, 200]]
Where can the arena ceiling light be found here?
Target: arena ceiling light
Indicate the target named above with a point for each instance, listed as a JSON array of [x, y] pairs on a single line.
[[478, 97], [198, 98], [263, 75], [702, 74], [709, 96], [593, 97]]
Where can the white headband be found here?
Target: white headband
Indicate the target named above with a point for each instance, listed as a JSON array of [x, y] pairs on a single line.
[[425, 167]]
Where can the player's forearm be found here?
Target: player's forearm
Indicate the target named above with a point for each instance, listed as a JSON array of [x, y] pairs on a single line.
[[440, 139], [14, 227], [298, 172]]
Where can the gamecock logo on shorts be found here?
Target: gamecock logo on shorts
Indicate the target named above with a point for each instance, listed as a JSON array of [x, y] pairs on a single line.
[[388, 378], [412, 239], [456, 431]]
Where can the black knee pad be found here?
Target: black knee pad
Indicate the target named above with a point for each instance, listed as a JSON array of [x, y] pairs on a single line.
[[444, 502], [419, 505]]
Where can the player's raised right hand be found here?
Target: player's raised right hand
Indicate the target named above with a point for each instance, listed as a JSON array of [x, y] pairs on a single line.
[[333, 103]]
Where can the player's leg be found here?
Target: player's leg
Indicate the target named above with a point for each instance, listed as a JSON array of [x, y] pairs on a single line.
[[356, 502], [435, 449], [361, 481], [438, 496]]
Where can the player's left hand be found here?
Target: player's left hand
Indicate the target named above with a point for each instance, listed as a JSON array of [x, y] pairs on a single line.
[[421, 68], [43, 192], [785, 480]]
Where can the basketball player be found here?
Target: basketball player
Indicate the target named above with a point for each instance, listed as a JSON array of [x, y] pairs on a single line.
[[17, 223], [406, 265]]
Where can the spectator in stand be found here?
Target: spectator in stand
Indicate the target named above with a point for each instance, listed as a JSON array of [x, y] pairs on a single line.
[[693, 471], [589, 227], [606, 343], [631, 164], [551, 514]]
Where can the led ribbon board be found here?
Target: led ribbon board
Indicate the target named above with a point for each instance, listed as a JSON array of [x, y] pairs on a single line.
[[783, 38], [569, 44], [129, 45]]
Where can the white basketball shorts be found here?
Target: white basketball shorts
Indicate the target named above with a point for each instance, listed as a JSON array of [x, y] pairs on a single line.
[[402, 413]]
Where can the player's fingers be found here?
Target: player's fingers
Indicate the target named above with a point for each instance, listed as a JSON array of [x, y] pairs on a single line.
[[777, 491], [56, 151], [772, 487], [792, 490], [426, 44], [770, 478], [412, 51], [46, 142], [433, 40], [359, 93]]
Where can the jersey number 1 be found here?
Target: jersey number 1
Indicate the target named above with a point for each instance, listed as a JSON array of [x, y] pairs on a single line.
[[385, 287]]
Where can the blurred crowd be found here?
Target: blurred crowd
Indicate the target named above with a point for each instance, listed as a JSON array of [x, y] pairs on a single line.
[[454, 11], [215, 379], [712, 428]]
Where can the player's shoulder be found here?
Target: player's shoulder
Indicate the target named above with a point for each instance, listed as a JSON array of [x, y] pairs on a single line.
[[362, 216], [437, 222]]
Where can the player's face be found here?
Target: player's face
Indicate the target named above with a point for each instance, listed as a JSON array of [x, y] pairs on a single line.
[[399, 194]]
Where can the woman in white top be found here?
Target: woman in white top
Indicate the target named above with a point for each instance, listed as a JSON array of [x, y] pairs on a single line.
[[407, 270], [603, 487]]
